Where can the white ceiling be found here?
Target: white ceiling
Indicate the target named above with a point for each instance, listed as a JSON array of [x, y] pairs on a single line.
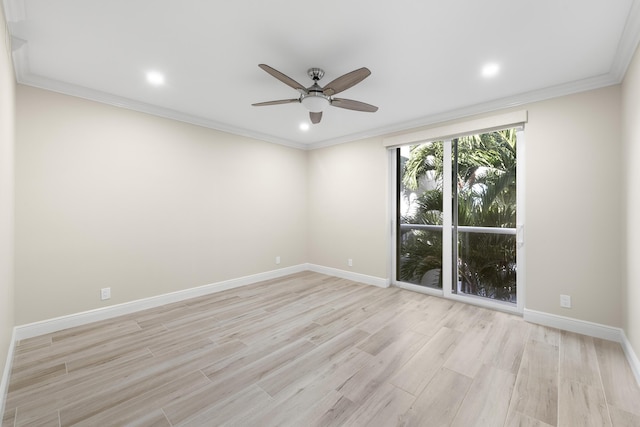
[[425, 57]]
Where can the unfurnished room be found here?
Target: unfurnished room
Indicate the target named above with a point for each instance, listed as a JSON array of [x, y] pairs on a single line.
[[338, 213]]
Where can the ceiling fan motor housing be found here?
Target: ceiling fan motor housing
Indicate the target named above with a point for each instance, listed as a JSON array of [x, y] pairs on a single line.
[[315, 73]]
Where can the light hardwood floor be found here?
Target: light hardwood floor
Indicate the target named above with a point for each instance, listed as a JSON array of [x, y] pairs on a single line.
[[313, 350]]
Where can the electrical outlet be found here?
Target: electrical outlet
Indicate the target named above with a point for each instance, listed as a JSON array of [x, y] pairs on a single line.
[[105, 293], [565, 301], [277, 260], [350, 262]]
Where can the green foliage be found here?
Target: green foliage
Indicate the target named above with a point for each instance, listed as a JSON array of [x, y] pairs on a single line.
[[486, 188], [487, 265], [423, 158], [422, 252]]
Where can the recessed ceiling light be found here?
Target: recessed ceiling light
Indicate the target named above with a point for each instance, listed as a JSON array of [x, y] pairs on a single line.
[[490, 70], [304, 126], [155, 78]]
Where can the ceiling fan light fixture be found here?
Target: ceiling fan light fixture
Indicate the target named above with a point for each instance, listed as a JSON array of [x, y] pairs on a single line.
[[315, 102]]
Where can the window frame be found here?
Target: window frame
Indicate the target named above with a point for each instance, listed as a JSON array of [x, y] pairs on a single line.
[[446, 134]]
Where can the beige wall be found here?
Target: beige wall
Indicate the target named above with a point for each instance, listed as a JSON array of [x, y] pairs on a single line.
[[573, 199], [631, 207], [108, 197], [145, 205], [348, 207], [7, 107], [572, 203]]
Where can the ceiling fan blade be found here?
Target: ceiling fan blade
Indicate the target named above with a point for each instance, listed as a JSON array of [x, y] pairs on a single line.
[[346, 81], [315, 117], [281, 101], [283, 78], [350, 104]]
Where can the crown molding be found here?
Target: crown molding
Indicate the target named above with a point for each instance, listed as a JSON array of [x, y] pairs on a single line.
[[485, 107], [25, 78], [629, 40], [628, 43]]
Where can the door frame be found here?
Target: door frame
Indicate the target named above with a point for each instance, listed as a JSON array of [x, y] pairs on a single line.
[[447, 237]]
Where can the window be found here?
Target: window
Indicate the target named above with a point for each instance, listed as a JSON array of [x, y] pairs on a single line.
[[458, 217]]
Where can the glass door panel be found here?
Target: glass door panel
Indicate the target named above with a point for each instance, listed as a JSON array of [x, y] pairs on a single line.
[[456, 216], [419, 235], [484, 217], [487, 265]]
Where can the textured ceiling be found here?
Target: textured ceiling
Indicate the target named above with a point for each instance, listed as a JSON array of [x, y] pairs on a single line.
[[425, 57]]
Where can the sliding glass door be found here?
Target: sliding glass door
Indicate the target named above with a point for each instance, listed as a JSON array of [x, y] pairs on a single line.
[[420, 214], [457, 216]]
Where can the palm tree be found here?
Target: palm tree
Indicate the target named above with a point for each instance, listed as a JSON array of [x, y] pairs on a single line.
[[486, 197]]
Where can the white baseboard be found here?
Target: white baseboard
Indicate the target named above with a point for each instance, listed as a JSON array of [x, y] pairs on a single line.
[[64, 322], [4, 383], [634, 362], [583, 327], [349, 275], [78, 319], [591, 329], [52, 325]]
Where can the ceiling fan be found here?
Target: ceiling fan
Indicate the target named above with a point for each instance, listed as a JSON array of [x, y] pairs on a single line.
[[316, 98]]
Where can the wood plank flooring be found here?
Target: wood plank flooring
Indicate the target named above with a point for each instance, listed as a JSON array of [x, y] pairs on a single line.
[[313, 350]]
